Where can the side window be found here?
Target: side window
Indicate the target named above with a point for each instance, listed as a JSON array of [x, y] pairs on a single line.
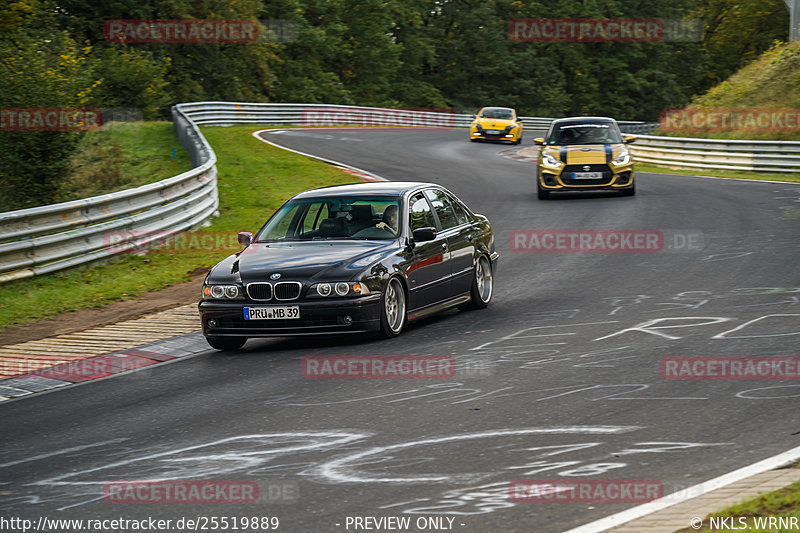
[[421, 214], [443, 208], [461, 212]]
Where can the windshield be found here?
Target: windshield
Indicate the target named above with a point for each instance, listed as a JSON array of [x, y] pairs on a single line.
[[502, 114], [356, 217], [585, 133]]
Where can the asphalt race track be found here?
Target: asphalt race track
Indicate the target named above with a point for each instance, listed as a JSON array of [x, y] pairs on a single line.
[[559, 379]]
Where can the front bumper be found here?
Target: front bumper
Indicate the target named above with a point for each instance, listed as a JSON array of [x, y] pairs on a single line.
[[501, 135], [317, 317], [613, 178]]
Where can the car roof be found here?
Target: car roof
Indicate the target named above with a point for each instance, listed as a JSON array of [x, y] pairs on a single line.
[[497, 108], [390, 188], [568, 120]]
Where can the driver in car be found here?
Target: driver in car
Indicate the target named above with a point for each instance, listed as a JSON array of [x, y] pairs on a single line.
[[389, 222]]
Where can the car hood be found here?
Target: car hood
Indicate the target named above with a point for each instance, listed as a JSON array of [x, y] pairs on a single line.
[[317, 260], [585, 154], [494, 123]]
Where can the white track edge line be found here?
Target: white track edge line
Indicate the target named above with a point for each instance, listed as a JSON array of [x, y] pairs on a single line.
[[623, 517], [337, 163], [329, 161], [642, 510]]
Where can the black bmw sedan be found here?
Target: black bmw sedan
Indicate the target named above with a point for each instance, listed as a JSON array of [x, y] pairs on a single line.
[[366, 257]]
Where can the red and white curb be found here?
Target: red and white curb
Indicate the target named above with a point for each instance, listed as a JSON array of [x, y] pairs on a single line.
[[516, 155], [103, 366]]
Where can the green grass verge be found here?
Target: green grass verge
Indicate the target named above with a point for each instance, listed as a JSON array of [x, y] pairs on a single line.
[[741, 174], [783, 503], [254, 179], [769, 83], [122, 156]]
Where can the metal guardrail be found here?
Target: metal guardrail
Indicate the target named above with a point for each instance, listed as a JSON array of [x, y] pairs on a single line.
[[637, 128], [724, 154], [49, 238], [678, 152], [227, 113], [53, 237]]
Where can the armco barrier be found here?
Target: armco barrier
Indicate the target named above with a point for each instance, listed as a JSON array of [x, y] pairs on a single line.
[[678, 152], [53, 237], [227, 113], [49, 238], [689, 153]]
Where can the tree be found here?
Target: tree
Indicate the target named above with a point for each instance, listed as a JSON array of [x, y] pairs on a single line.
[[737, 32], [38, 69]]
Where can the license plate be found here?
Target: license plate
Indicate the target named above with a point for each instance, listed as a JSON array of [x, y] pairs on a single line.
[[493, 132], [587, 175], [272, 313]]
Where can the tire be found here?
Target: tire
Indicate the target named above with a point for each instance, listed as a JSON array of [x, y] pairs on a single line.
[[542, 194], [629, 192], [393, 309], [519, 141], [226, 343], [482, 284]]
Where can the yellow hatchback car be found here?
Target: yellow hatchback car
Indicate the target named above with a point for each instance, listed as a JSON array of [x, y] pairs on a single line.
[[584, 153], [496, 124]]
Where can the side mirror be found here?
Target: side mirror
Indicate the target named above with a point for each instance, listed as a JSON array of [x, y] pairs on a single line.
[[629, 138], [423, 234], [539, 141], [245, 238]]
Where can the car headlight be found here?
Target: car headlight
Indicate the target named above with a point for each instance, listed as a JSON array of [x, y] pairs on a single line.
[[222, 292], [338, 288], [323, 289], [342, 288], [549, 160], [622, 159]]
